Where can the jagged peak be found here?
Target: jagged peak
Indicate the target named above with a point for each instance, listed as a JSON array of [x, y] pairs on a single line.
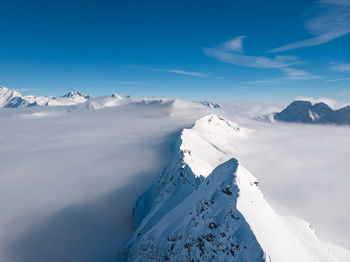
[[76, 93], [210, 104]]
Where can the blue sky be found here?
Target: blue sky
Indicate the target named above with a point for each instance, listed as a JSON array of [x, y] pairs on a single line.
[[222, 50]]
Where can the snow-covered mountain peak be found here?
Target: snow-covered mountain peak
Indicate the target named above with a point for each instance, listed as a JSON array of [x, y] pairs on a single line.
[[205, 206], [71, 98], [214, 133], [5, 90], [215, 125], [76, 97], [7, 95], [75, 94]]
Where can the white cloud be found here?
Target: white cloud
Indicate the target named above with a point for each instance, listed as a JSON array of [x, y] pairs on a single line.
[[332, 21], [342, 67], [175, 71], [331, 102], [91, 166], [127, 83], [235, 44], [338, 79], [79, 169], [230, 52], [187, 73], [297, 74]]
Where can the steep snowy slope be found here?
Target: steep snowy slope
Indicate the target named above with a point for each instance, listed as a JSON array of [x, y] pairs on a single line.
[[205, 206], [7, 96]]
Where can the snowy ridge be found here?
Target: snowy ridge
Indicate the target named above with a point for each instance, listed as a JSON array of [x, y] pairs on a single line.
[[205, 206]]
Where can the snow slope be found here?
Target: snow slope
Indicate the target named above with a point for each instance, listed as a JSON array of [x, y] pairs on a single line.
[[205, 206], [7, 95]]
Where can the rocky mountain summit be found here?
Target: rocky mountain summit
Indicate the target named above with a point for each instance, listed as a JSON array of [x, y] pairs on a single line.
[[318, 113]]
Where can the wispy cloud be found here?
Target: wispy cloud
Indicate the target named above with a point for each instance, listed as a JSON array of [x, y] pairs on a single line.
[[338, 79], [231, 52], [342, 67], [268, 81], [332, 21], [187, 73], [297, 74], [291, 74], [175, 71], [235, 44], [131, 83], [25, 89]]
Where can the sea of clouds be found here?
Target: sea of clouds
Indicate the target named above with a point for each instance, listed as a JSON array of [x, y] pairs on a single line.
[[69, 176]]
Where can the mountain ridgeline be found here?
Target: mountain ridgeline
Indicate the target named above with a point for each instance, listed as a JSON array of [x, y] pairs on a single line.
[[205, 206], [318, 113], [13, 99]]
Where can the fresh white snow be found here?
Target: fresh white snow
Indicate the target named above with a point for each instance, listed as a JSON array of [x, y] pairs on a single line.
[[195, 213]]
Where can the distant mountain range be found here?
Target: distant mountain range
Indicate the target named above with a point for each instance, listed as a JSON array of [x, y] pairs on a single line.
[[318, 113], [13, 99]]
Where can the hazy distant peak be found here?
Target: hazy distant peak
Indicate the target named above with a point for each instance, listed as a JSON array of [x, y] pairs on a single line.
[[210, 104]]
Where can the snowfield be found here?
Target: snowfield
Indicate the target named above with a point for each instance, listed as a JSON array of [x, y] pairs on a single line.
[[70, 175]]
